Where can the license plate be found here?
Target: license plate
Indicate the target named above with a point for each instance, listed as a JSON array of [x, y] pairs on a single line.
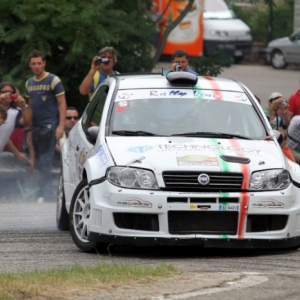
[[228, 207]]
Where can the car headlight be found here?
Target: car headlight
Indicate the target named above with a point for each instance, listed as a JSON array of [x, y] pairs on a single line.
[[132, 178], [270, 180]]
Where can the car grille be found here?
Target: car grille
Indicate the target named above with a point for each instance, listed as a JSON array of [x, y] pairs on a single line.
[[182, 181], [203, 222]]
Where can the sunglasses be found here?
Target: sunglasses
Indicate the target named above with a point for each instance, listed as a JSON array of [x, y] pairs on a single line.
[[70, 118]]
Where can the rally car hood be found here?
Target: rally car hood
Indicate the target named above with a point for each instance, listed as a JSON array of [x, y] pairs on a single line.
[[182, 153]]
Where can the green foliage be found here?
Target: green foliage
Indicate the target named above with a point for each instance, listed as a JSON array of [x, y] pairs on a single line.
[[211, 65], [258, 19], [70, 34]]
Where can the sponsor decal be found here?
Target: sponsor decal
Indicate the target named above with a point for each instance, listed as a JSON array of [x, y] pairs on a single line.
[[240, 97], [134, 202], [197, 160], [206, 147], [140, 149], [227, 207], [101, 157], [199, 193], [82, 157], [207, 95], [125, 95], [177, 93], [268, 203]]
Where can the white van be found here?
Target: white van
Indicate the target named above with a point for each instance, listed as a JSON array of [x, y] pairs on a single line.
[[222, 30]]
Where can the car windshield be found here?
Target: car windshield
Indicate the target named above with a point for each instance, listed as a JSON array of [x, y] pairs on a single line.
[[187, 117], [217, 9]]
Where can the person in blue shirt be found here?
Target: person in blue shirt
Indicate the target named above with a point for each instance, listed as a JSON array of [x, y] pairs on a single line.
[[47, 105], [101, 67], [180, 59]]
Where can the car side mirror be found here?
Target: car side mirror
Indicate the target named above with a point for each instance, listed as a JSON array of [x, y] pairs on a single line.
[[277, 135], [92, 134], [291, 37]]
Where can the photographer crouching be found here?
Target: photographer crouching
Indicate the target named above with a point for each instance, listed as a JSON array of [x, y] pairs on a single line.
[[101, 67]]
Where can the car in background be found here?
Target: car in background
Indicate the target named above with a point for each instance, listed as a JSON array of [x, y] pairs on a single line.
[[177, 159], [283, 51], [224, 31]]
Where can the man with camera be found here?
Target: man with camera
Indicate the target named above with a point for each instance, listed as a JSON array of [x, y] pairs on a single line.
[[279, 115], [18, 115], [179, 62], [101, 67]]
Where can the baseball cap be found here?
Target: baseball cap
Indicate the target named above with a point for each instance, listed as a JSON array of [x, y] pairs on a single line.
[[275, 96]]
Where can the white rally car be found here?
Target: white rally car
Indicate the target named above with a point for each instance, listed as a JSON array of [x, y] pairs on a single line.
[[177, 160]]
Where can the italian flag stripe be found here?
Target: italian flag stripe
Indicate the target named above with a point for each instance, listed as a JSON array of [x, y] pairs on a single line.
[[215, 87], [244, 197]]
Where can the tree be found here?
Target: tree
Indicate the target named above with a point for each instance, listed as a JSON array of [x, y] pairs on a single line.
[[70, 33]]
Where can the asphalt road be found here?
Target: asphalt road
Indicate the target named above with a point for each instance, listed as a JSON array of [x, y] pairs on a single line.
[[29, 241]]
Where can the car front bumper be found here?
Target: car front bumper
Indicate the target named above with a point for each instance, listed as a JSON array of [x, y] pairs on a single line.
[[240, 220]]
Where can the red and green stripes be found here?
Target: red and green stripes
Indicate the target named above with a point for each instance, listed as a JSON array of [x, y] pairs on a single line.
[[244, 168], [214, 93]]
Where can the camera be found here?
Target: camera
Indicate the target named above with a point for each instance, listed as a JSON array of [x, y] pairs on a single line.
[[178, 67], [284, 103], [100, 60], [13, 97]]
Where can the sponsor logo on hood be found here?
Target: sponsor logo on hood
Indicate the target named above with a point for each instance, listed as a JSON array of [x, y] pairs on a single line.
[[268, 203], [198, 160], [140, 149], [134, 202]]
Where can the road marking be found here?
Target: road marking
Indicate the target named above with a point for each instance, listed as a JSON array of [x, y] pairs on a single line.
[[248, 279]]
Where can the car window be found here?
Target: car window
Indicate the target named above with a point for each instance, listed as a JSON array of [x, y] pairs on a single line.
[[217, 9], [93, 112], [297, 36], [167, 116]]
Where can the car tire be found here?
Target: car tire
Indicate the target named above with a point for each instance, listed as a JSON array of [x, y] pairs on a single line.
[[278, 60], [79, 219], [62, 216]]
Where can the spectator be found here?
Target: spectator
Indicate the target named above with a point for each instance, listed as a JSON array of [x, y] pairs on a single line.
[[99, 71], [180, 58], [293, 137], [279, 115], [294, 103], [10, 100], [70, 121], [3, 114], [48, 105]]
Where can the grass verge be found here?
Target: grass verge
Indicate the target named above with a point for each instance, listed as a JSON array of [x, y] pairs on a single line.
[[66, 282]]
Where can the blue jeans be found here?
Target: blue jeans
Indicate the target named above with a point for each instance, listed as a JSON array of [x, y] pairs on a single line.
[[44, 141]]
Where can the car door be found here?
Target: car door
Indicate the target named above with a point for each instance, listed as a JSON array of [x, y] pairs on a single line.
[[90, 122], [293, 50]]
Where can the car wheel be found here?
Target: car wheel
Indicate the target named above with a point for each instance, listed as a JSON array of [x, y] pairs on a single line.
[[278, 60], [62, 216], [80, 211]]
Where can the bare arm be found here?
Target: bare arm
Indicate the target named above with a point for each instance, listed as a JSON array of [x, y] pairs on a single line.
[[62, 107], [20, 156], [84, 88]]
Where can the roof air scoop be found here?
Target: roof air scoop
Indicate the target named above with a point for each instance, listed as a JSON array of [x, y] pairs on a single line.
[[182, 78]]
